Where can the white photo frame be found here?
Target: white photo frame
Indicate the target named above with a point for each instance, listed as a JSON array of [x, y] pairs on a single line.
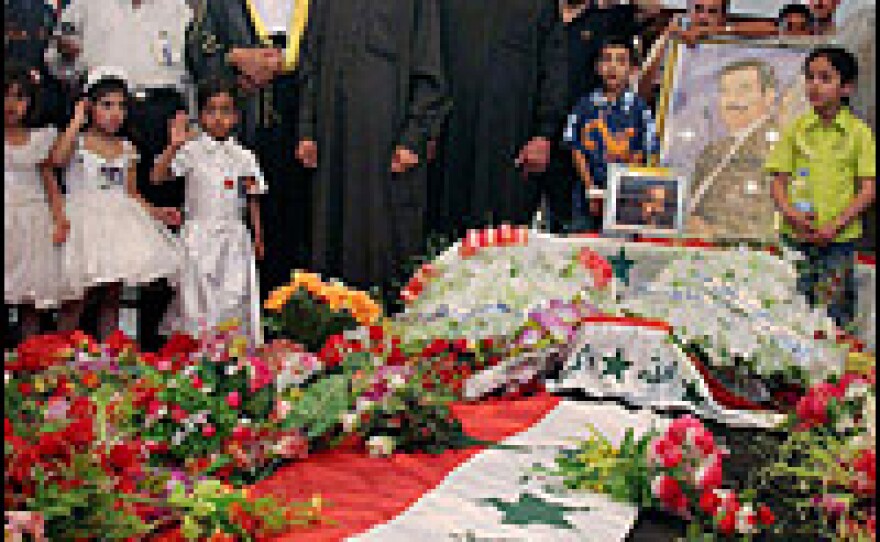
[[644, 201]]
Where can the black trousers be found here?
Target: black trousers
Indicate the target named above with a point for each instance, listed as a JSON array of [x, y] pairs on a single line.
[[149, 118], [286, 207]]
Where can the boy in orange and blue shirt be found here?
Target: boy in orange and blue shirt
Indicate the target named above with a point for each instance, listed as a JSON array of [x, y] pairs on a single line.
[[825, 169]]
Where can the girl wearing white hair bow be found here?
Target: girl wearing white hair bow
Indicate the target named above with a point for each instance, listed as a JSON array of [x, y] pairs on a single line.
[[115, 235], [34, 221]]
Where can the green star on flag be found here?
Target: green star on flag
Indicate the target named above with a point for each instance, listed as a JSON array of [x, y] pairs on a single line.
[[615, 365], [532, 510], [621, 265]]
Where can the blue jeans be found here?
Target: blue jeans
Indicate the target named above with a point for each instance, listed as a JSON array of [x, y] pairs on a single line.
[[827, 278]]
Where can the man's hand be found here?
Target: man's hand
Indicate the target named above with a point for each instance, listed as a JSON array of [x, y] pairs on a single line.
[[257, 66], [307, 153], [403, 160], [60, 232], [259, 248], [535, 156], [68, 47], [179, 131]]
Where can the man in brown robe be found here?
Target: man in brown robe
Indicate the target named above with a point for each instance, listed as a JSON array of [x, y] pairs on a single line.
[[373, 85]]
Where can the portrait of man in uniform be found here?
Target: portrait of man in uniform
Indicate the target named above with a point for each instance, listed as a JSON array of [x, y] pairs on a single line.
[[730, 193], [724, 109]]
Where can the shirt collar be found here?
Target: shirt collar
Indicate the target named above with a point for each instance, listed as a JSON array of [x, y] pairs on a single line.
[[598, 98], [213, 145], [841, 121]]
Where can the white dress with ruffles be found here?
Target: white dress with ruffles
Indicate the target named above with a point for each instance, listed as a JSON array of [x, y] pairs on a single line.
[[31, 261], [112, 237], [218, 280]]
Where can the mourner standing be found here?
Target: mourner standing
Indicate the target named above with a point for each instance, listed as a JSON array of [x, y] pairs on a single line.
[[373, 88], [257, 43], [146, 39]]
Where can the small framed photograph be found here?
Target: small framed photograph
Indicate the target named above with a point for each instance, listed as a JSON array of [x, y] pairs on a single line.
[[642, 200]]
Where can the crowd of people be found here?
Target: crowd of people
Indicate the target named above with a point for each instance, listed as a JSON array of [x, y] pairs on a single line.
[[172, 144]]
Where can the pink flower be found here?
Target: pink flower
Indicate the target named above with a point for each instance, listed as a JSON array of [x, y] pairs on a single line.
[[233, 399], [678, 429], [153, 408], [701, 440], [196, 382], [710, 474], [261, 375], [662, 451], [208, 431], [668, 491]]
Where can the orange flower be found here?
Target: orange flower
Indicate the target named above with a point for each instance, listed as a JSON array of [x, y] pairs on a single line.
[[91, 380]]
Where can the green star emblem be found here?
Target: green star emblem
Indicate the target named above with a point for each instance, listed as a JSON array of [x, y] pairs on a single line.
[[615, 365], [532, 510], [621, 265], [691, 395]]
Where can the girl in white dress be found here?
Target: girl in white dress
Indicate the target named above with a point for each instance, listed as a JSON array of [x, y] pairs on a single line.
[[218, 280], [34, 223], [115, 237]]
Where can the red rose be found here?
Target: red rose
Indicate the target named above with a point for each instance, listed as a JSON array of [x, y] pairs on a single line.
[[208, 431], [233, 399], [24, 388], [668, 491], [727, 524], [710, 502], [376, 333], [196, 382], [179, 345], [178, 414], [118, 341], [765, 516]]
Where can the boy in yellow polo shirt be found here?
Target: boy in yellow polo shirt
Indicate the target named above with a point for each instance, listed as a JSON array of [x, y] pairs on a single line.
[[825, 170]]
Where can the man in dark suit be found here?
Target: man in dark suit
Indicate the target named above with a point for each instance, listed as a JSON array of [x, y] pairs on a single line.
[[257, 43]]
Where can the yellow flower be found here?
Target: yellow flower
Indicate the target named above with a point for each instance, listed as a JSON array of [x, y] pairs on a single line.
[[229, 325]]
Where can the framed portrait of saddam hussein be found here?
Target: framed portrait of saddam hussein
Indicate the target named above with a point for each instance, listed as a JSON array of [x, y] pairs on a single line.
[[723, 106], [644, 200]]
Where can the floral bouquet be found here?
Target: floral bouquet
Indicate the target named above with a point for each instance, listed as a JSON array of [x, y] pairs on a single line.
[[824, 474], [397, 401], [679, 471], [78, 462], [308, 310]]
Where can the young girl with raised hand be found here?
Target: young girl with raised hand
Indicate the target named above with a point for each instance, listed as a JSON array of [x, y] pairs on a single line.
[[115, 237], [218, 279], [35, 222]]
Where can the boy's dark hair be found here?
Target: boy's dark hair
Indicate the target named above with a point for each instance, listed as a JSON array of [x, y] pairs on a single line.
[[19, 75], [844, 62], [214, 86], [616, 42], [795, 9]]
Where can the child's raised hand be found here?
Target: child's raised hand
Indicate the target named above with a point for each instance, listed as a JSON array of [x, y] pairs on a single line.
[[80, 113], [179, 131], [60, 232]]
